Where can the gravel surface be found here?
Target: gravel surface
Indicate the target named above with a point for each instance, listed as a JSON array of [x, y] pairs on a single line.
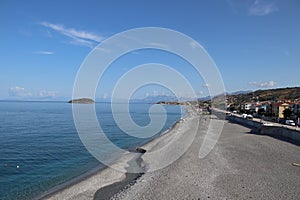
[[242, 165]]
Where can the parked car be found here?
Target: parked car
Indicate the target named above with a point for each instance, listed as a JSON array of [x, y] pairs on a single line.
[[290, 122], [268, 124], [247, 116]]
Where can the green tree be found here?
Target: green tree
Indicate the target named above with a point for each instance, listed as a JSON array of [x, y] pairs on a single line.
[[261, 111], [287, 113], [233, 107]]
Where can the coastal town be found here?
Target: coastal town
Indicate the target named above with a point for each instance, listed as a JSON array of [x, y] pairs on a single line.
[[280, 105], [281, 111]]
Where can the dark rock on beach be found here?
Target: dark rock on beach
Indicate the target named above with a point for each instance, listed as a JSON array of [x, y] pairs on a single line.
[[140, 150]]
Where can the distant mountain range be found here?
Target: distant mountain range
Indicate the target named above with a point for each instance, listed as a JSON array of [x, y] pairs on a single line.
[[160, 98], [291, 93], [240, 92], [207, 98]]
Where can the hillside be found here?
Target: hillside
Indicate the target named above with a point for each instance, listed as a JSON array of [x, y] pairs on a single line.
[[266, 95]]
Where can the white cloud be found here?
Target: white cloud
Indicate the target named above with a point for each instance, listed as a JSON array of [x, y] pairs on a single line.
[[22, 92], [263, 84], [261, 8], [44, 93], [49, 34], [81, 42], [104, 96], [206, 85], [103, 49], [158, 45], [195, 44], [18, 92], [155, 93], [79, 37], [44, 52]]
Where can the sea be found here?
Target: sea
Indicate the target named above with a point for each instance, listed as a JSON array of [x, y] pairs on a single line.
[[40, 148]]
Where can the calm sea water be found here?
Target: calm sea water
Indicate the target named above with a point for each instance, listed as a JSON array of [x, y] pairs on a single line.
[[40, 148]]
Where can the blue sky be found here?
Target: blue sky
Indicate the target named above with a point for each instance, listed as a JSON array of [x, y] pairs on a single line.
[[254, 43]]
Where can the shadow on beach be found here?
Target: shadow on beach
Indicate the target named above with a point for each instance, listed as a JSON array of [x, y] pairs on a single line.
[[256, 131], [109, 191]]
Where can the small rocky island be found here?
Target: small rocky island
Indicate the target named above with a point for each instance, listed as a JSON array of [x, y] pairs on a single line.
[[82, 100]]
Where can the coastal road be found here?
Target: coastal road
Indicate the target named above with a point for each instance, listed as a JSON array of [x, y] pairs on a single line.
[[243, 165]]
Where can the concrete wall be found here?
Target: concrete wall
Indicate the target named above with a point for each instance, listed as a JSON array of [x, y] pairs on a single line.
[[246, 122], [268, 130], [281, 131]]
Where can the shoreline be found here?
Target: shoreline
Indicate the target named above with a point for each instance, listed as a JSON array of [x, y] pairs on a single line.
[[70, 182], [110, 191], [105, 181]]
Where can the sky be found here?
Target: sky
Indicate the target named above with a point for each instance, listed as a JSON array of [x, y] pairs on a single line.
[[255, 44]]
